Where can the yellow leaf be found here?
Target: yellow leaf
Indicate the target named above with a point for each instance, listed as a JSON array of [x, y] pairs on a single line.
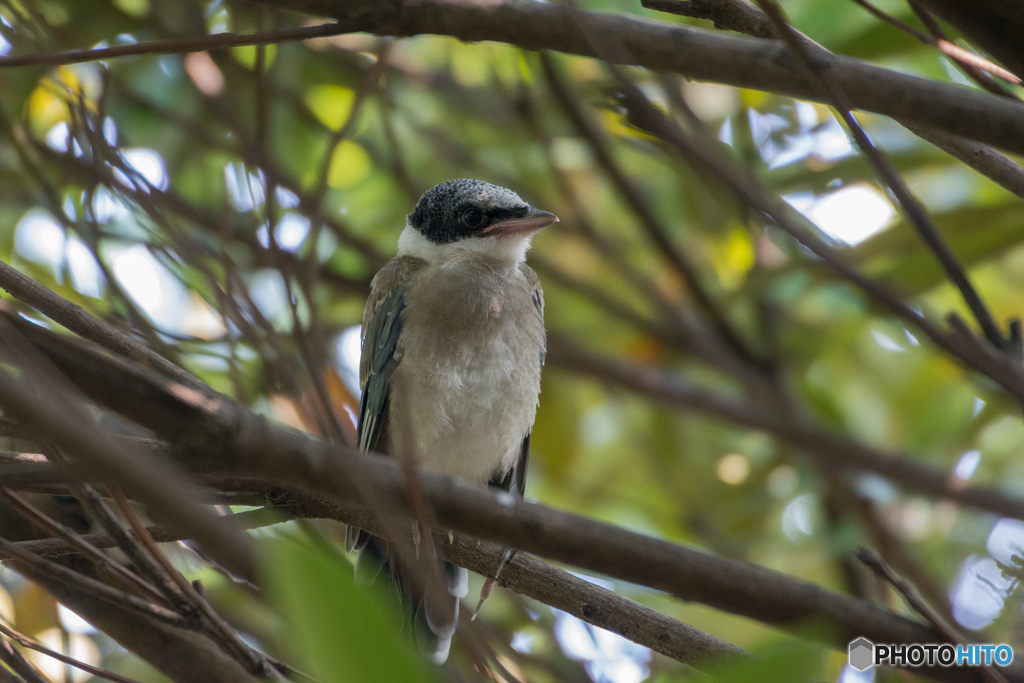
[[246, 56], [733, 258], [45, 110], [350, 164], [330, 104]]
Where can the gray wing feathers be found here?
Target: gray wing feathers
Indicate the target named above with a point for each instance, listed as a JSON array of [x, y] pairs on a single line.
[[373, 402], [381, 353], [433, 620], [382, 327], [538, 301]]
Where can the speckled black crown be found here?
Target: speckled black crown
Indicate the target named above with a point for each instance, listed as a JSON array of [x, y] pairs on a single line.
[[443, 213]]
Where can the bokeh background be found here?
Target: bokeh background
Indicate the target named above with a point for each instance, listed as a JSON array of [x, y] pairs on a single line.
[[230, 208]]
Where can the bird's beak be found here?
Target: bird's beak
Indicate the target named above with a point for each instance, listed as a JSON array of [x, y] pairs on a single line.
[[532, 222]]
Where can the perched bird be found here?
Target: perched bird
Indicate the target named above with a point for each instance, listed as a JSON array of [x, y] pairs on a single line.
[[452, 349]]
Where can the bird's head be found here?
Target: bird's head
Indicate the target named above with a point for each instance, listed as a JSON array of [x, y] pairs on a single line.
[[472, 214]]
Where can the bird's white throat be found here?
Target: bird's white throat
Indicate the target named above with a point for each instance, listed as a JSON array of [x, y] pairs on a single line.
[[512, 248]]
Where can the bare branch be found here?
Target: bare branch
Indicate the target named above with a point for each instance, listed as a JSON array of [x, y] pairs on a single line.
[[963, 57], [730, 15], [76, 319], [651, 224], [177, 653], [75, 540], [961, 342], [994, 26], [911, 205], [41, 400], [27, 642], [994, 165], [215, 624], [527, 576], [33, 567], [697, 54], [830, 450], [745, 17], [910, 593], [25, 669], [170, 47], [226, 438], [97, 509]]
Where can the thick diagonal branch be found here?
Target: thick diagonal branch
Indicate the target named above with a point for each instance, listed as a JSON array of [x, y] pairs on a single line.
[[217, 435], [702, 55]]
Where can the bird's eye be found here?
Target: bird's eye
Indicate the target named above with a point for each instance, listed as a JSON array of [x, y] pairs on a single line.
[[472, 218]]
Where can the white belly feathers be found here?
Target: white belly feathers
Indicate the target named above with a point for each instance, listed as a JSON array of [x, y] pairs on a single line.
[[465, 393]]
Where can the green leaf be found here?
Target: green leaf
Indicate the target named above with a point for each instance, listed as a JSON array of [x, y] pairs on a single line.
[[343, 633]]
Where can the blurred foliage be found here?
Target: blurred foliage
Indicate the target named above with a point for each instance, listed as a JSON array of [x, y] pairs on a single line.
[[231, 207], [314, 584]]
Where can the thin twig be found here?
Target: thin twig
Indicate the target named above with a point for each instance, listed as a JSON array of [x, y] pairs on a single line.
[[33, 565], [910, 593], [218, 627], [526, 575], [912, 207], [988, 359], [31, 644], [22, 667], [43, 399], [98, 510], [178, 46], [69, 536], [650, 222], [78, 320], [987, 161], [745, 17], [960, 55], [52, 547], [979, 76]]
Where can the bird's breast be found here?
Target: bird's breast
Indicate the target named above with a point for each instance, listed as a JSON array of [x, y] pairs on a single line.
[[465, 393]]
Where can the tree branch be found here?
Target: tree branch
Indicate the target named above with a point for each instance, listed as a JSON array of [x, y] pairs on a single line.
[[175, 46], [41, 400], [994, 165], [912, 207], [694, 53], [729, 15], [27, 642], [79, 321], [993, 25], [745, 17], [217, 436], [526, 576]]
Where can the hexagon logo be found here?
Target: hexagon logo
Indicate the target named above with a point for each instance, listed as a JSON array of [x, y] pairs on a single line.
[[862, 654]]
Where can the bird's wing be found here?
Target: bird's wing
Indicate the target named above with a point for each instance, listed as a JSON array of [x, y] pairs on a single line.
[[515, 478], [382, 351], [382, 328], [538, 301], [433, 620]]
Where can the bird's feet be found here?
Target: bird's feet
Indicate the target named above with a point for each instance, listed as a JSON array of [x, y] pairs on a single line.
[[509, 555]]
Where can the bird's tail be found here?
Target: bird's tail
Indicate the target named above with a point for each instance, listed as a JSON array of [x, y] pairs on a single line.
[[433, 618]]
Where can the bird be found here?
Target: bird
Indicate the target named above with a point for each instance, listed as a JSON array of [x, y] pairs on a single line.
[[453, 343]]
